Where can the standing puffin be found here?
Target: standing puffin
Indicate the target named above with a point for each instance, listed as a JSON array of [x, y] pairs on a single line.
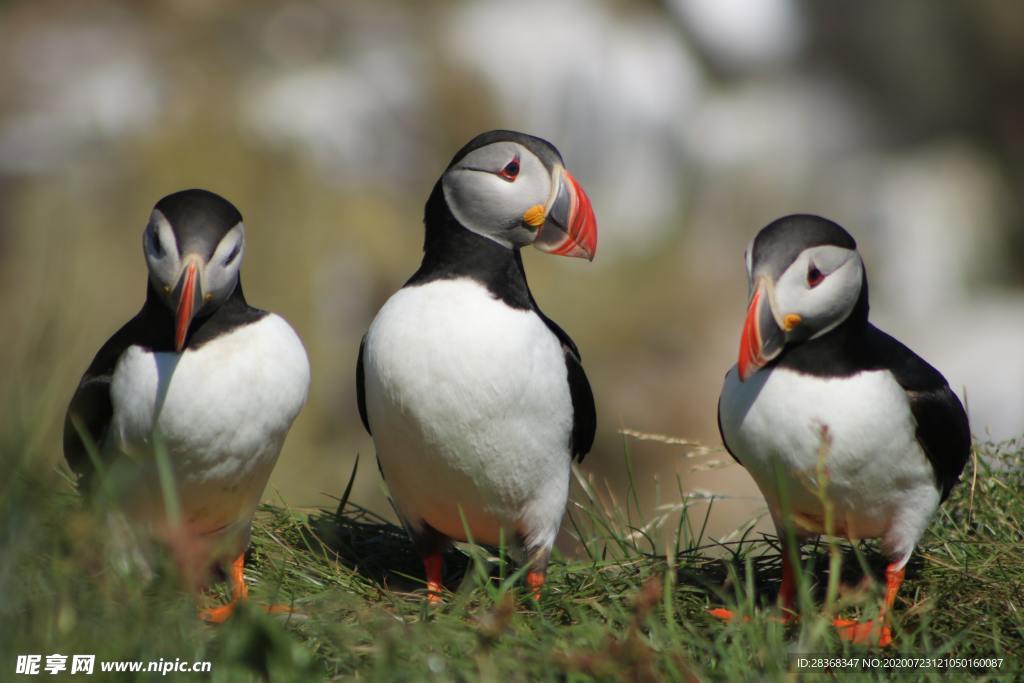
[[199, 376], [476, 401], [816, 382]]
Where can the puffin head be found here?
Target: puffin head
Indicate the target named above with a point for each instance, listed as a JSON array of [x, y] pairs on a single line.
[[513, 188], [805, 279], [193, 244]]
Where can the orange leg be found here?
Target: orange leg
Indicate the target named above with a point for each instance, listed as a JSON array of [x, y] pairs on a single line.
[[866, 631], [535, 580], [433, 564], [239, 592], [787, 593], [537, 567]]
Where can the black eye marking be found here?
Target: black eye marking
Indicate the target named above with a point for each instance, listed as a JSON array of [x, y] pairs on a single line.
[[155, 247], [234, 253], [511, 170], [814, 276]]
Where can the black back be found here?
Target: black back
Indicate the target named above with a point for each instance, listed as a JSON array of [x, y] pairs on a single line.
[[151, 329]]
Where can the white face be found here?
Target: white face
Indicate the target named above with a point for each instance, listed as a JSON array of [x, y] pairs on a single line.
[[491, 189], [821, 286], [218, 275]]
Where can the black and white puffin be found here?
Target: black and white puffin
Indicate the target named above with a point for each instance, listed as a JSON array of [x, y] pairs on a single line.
[[476, 401], [199, 375], [815, 380]]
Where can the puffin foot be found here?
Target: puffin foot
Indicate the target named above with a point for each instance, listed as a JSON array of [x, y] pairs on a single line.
[[535, 580], [220, 614], [786, 598], [433, 564], [729, 615], [863, 632], [725, 614], [869, 632], [239, 593]]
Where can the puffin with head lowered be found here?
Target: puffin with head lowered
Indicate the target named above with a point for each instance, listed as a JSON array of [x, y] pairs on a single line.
[[823, 401], [476, 401], [198, 390]]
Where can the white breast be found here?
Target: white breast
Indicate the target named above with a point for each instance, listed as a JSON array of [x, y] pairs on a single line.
[[222, 411], [879, 480], [469, 406]]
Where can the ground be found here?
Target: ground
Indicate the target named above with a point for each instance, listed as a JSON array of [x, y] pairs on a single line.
[[631, 610]]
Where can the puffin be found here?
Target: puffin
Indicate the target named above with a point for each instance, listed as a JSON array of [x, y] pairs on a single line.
[[477, 402], [180, 417], [826, 410]]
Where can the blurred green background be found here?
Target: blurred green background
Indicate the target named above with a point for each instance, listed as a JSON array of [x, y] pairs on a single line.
[[691, 123]]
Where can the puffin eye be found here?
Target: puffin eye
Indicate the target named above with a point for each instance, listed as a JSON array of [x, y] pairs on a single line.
[[814, 276], [155, 248], [511, 170], [234, 253]]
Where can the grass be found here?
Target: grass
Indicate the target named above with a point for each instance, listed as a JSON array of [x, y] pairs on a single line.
[[632, 609]]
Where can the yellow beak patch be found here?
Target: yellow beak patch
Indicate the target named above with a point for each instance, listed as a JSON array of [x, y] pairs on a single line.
[[535, 216]]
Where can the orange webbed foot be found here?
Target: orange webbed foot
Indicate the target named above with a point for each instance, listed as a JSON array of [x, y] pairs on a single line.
[[535, 580], [872, 631], [218, 615], [863, 632], [724, 614], [787, 597], [239, 592]]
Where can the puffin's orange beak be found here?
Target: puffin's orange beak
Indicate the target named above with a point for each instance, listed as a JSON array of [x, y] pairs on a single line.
[[570, 227], [189, 303], [762, 339]]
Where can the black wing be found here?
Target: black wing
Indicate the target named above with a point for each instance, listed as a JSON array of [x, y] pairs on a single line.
[[584, 413], [718, 415], [90, 406], [942, 427], [361, 388], [943, 432]]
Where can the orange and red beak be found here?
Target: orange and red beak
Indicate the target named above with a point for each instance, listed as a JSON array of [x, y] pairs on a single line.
[[570, 227], [189, 294], [762, 338]]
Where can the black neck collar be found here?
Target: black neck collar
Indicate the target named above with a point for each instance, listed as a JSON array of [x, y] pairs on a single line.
[[451, 251], [159, 320], [840, 352]]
